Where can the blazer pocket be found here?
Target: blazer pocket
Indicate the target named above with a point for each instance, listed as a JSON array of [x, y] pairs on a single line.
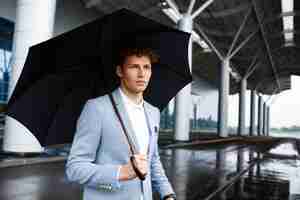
[[155, 130]]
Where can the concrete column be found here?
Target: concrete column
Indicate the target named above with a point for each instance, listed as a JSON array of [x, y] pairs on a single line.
[[195, 116], [242, 108], [223, 99], [183, 100], [167, 117], [265, 119], [252, 113], [267, 116], [260, 117], [268, 121], [34, 24]]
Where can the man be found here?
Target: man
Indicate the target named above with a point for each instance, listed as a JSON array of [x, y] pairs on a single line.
[[100, 153]]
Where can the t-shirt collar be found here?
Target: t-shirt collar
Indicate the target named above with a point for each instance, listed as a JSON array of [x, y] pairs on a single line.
[[128, 101]]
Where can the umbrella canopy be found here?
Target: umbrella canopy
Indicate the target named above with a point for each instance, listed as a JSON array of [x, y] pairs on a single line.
[[61, 74]]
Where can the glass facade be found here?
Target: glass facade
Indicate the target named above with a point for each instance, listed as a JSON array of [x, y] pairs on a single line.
[[6, 37], [5, 57]]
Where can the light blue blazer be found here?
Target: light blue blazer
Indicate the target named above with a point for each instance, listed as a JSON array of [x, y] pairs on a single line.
[[100, 147]]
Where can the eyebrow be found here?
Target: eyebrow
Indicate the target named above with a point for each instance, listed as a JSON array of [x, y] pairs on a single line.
[[139, 65]]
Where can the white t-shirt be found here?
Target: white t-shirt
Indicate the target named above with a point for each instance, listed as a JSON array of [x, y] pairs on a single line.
[[137, 117]]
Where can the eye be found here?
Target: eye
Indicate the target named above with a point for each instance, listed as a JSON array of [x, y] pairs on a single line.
[[147, 66], [133, 66]]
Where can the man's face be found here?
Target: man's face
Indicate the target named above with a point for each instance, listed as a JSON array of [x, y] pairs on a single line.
[[135, 73]]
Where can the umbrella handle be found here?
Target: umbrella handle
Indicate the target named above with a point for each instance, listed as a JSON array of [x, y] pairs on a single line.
[[136, 170]]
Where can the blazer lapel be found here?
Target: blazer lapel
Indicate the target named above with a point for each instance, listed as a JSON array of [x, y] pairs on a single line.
[[124, 115], [152, 126]]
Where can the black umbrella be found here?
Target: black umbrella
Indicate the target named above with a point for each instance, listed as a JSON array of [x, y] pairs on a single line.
[[60, 74]]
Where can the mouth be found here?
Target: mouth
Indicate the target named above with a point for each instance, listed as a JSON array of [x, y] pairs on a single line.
[[141, 82]]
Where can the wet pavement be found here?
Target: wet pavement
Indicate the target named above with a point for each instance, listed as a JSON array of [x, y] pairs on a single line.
[[237, 170], [275, 175]]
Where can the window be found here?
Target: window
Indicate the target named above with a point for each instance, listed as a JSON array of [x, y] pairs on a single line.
[[6, 37]]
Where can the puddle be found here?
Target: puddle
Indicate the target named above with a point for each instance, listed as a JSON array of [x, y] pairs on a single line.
[[286, 149]]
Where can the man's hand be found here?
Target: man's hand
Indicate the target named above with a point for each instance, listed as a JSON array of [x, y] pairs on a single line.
[[140, 161], [127, 171]]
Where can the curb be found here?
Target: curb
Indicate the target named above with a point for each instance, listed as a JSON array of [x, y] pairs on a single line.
[[29, 161], [203, 142]]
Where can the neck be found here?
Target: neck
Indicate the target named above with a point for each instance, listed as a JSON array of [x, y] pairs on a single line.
[[135, 97]]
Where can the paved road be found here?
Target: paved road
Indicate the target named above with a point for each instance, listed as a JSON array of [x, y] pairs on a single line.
[[194, 172]]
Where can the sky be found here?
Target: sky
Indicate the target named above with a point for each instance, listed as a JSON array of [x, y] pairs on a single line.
[[285, 110]]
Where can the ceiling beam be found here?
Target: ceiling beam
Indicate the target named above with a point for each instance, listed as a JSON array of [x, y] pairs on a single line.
[[266, 43], [226, 12]]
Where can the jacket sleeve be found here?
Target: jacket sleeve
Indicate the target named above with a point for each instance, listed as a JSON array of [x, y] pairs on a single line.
[[80, 166], [159, 180]]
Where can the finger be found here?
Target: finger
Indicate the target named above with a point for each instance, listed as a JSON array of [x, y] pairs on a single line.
[[141, 163], [141, 157], [142, 169]]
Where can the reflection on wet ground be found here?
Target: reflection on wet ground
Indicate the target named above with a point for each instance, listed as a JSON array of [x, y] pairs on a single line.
[[235, 172], [197, 173], [226, 172], [284, 149], [269, 178]]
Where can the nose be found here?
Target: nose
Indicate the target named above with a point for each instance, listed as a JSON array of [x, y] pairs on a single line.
[[141, 72]]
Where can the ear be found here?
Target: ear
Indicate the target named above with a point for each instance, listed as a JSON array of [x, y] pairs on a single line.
[[119, 71]]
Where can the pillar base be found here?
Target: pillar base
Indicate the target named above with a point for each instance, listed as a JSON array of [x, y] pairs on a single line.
[[19, 140]]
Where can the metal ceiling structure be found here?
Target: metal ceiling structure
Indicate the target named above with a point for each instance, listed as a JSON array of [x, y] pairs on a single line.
[[249, 32]]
